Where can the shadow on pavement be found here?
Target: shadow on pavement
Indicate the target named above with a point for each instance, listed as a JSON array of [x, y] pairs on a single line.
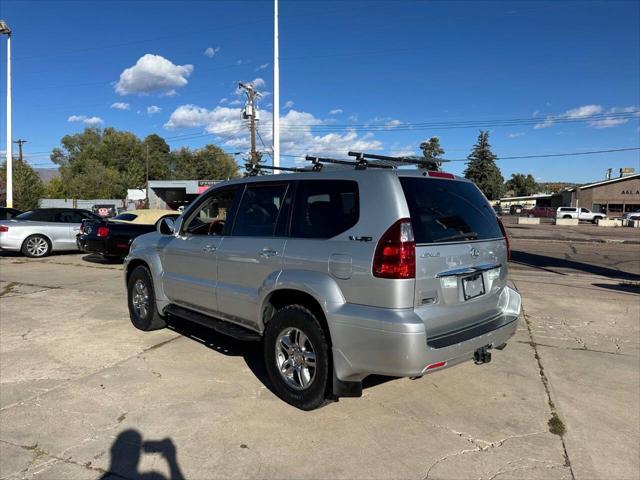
[[620, 287], [547, 263], [97, 258], [127, 450], [251, 352]]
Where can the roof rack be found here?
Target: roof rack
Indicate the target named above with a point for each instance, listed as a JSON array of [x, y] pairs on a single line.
[[253, 169], [426, 163], [360, 163]]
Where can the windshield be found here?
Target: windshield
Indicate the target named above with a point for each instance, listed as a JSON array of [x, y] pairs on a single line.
[[127, 217], [448, 211]]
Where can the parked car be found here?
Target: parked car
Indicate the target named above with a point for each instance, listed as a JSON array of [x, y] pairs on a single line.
[[541, 212], [39, 232], [112, 237], [341, 274], [7, 213], [584, 214], [515, 209], [497, 209], [632, 215]]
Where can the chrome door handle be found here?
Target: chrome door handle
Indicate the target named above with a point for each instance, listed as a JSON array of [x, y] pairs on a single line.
[[209, 249], [267, 252]]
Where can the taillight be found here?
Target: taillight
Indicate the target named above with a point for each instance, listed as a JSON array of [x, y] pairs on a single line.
[[4, 228], [395, 255], [506, 237], [103, 231]]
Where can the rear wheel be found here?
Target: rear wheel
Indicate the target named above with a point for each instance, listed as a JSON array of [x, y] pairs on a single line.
[[142, 301], [595, 219], [36, 246], [296, 356]]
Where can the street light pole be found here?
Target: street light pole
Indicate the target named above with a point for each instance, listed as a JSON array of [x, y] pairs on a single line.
[[276, 88], [5, 30]]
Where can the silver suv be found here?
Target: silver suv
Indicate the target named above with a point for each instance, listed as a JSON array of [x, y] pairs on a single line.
[[340, 274]]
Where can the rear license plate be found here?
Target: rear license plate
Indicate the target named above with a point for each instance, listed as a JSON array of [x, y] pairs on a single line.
[[473, 286]]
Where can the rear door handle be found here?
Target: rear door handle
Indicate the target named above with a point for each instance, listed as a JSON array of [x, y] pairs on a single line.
[[209, 249], [267, 252]]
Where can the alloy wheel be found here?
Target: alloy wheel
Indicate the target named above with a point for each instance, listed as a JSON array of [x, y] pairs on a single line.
[[140, 299], [37, 246], [296, 358]]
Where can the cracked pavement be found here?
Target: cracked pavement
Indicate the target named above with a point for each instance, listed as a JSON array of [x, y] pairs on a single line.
[[77, 382]]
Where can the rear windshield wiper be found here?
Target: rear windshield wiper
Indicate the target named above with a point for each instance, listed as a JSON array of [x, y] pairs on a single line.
[[458, 236]]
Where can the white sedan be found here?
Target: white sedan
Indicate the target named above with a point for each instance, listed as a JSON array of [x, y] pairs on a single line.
[[39, 232]]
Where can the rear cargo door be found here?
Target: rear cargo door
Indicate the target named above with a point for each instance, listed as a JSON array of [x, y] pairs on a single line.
[[461, 253]]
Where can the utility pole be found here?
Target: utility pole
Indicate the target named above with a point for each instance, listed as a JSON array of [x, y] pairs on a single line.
[[250, 113], [20, 142]]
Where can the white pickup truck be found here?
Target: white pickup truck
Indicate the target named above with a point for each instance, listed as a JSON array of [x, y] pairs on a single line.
[[584, 214]]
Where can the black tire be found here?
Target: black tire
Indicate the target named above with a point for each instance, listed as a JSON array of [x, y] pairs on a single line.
[[36, 246], [297, 317], [152, 319], [595, 219]]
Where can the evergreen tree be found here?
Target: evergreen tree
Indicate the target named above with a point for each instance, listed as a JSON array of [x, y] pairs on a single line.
[[482, 169], [27, 186], [521, 184], [431, 150]]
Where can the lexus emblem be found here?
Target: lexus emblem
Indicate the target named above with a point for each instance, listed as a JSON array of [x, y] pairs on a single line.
[[475, 252]]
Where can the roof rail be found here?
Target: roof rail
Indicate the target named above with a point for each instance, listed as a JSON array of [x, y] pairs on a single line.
[[359, 164], [422, 162], [253, 169]]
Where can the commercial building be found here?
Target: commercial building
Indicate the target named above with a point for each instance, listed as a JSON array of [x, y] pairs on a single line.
[[612, 197], [172, 194]]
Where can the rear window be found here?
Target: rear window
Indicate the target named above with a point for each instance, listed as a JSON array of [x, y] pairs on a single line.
[[324, 208], [37, 215], [448, 211], [127, 217]]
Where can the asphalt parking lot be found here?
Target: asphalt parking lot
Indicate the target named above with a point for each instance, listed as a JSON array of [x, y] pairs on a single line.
[[83, 395]]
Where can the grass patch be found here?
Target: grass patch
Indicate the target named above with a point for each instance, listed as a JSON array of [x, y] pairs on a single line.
[[555, 425]]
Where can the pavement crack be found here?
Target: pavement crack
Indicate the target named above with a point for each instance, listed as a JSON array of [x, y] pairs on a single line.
[[8, 288], [555, 423]]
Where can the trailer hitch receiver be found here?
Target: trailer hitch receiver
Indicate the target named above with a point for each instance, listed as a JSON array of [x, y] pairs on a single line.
[[482, 355]]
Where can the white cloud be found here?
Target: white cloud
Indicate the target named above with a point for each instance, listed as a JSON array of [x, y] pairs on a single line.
[[353, 118], [227, 123], [223, 100], [89, 121], [335, 111], [211, 51], [536, 113], [393, 123], [153, 73], [237, 101], [404, 151], [516, 135], [262, 67], [288, 104], [120, 106], [608, 122], [153, 109], [587, 111], [258, 82], [584, 111]]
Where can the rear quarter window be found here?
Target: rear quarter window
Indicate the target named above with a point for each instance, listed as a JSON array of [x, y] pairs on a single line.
[[127, 217], [325, 208], [448, 211]]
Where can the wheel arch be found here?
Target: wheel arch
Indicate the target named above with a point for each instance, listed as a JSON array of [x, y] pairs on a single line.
[[131, 266]]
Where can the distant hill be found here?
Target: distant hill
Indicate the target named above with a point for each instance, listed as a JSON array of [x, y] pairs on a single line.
[[554, 187], [47, 174]]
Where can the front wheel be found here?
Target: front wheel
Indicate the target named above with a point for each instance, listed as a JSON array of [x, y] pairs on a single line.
[[296, 354], [36, 246], [142, 301]]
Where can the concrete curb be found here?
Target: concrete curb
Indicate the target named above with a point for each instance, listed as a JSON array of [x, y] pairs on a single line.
[[577, 240]]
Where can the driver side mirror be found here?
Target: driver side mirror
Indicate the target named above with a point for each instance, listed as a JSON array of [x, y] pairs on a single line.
[[166, 226]]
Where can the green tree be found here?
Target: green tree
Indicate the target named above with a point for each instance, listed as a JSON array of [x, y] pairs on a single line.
[[27, 186], [432, 151], [521, 184], [158, 152], [482, 169], [207, 163]]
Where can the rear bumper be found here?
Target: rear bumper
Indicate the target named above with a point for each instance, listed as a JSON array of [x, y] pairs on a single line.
[[102, 246], [10, 244], [370, 340]]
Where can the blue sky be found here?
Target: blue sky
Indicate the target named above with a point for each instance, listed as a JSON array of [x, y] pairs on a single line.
[[370, 75]]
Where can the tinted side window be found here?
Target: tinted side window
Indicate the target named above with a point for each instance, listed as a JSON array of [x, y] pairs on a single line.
[[448, 211], [68, 216], [127, 217], [258, 210], [325, 208], [209, 218]]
